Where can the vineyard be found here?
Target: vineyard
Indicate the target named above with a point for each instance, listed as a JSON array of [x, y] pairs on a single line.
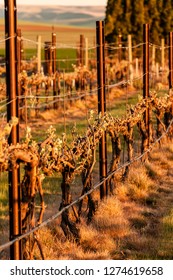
[[80, 127]]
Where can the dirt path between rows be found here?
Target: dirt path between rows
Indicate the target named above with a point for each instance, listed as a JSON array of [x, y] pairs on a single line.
[[151, 218]]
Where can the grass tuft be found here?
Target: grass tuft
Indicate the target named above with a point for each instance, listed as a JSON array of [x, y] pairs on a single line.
[[134, 223]]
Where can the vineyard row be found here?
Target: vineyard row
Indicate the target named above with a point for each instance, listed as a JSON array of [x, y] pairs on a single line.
[[94, 187], [78, 158]]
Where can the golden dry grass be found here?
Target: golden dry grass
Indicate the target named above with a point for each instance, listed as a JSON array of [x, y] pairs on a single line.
[[135, 223]]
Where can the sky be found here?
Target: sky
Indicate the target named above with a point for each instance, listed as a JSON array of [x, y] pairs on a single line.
[[61, 2]]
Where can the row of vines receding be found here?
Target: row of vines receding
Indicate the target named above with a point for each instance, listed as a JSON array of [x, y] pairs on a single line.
[[77, 160], [54, 154]]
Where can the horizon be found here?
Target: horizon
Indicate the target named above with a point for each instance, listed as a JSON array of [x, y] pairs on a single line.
[[59, 3]]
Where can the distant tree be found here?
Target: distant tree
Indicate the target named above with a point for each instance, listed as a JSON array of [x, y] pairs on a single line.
[[137, 20], [153, 18], [166, 17], [128, 17], [127, 11], [113, 20]]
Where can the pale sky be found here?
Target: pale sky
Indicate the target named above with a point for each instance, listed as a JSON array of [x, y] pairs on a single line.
[[61, 2]]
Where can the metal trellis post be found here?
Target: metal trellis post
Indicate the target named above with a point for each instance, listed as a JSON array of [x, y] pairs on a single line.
[[146, 76], [19, 48], [101, 104], [48, 58], [12, 111], [54, 67], [82, 42]]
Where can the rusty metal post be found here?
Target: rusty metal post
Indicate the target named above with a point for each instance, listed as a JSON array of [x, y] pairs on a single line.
[[146, 76], [12, 87], [54, 67], [81, 55], [48, 58], [45, 58], [19, 67], [170, 60], [101, 104]]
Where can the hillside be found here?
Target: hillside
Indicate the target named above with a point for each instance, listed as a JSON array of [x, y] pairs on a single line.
[[60, 15]]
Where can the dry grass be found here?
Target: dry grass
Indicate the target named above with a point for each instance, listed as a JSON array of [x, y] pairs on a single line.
[[135, 223]]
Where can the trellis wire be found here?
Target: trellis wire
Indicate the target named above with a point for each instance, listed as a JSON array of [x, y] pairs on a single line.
[[95, 187]]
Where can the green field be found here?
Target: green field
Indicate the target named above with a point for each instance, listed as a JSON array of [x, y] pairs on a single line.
[[64, 57], [67, 41], [65, 35]]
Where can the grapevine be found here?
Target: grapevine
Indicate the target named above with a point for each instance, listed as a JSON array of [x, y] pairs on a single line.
[[54, 154]]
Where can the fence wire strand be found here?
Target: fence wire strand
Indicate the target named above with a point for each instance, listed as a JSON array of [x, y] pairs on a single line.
[[95, 187], [65, 97]]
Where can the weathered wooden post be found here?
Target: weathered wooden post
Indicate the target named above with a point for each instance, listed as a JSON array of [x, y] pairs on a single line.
[[53, 53], [101, 104], [137, 67], [170, 60], [19, 50], [163, 55], [39, 54], [119, 46], [86, 53], [146, 77], [153, 66], [12, 112], [171, 67], [130, 59], [153, 58], [55, 105]]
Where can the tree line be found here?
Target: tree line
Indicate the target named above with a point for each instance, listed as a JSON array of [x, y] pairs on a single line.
[[123, 17]]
